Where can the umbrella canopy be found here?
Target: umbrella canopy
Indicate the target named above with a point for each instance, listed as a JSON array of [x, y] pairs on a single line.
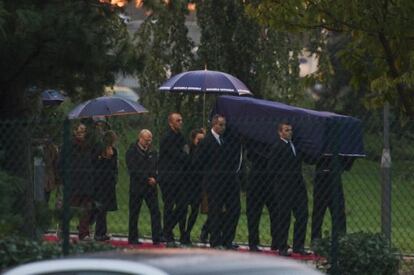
[[205, 81], [52, 97], [106, 106]]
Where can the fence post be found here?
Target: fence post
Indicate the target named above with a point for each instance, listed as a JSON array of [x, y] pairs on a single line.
[[336, 166], [66, 185], [386, 178]]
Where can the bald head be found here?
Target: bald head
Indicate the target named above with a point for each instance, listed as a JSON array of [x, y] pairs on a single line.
[[145, 138], [175, 121]]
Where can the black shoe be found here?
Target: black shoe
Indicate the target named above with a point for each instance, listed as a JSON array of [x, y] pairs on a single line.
[[302, 252], [134, 242], [157, 241], [231, 246], [171, 244], [185, 239], [284, 252], [204, 236], [102, 238], [254, 248]]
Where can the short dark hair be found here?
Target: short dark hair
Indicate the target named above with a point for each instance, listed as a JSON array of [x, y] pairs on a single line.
[[195, 132], [280, 125], [109, 137], [215, 118]]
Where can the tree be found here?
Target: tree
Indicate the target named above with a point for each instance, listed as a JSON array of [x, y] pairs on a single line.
[[380, 51], [265, 59], [76, 45], [162, 39]]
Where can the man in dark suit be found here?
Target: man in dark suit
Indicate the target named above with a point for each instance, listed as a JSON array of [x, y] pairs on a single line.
[[174, 159], [328, 193], [216, 156], [260, 192], [285, 164], [142, 168]]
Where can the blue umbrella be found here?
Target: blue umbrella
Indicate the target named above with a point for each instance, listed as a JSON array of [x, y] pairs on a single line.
[[106, 106], [52, 97], [205, 81]]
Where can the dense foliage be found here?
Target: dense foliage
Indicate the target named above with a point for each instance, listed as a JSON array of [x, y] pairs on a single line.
[[11, 217], [77, 46], [361, 253], [265, 59], [15, 251], [380, 47], [163, 40]]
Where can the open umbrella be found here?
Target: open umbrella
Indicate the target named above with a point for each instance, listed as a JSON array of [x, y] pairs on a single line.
[[52, 97], [205, 82], [106, 106]]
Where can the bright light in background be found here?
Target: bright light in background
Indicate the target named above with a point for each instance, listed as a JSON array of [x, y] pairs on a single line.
[[139, 3], [308, 63], [119, 3], [191, 6]]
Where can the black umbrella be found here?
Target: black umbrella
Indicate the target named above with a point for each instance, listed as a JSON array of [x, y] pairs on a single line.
[[52, 97], [205, 82], [106, 106]]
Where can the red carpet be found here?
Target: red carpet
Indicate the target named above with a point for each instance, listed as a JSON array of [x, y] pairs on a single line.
[[147, 244]]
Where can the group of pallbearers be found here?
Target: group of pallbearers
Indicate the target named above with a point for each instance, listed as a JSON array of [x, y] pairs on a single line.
[[210, 164]]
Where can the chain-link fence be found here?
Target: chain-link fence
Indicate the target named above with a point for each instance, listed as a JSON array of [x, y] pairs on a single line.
[[218, 187]]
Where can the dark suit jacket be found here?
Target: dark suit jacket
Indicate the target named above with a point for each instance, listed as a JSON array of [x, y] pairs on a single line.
[[213, 160], [105, 178], [141, 166], [283, 165], [173, 158]]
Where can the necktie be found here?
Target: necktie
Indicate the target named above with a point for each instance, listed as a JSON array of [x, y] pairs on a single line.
[[292, 147], [221, 140]]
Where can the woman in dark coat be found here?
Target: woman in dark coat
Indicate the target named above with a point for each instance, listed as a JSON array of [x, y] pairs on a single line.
[[79, 176], [193, 186], [105, 161]]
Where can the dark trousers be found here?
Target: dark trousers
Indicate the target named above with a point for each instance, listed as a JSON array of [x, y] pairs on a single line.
[[181, 210], [324, 198], [136, 197], [223, 208], [85, 203], [292, 198], [174, 208], [259, 194], [192, 217], [101, 224]]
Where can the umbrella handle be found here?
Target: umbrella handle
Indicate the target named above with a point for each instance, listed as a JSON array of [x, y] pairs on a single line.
[[204, 110]]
